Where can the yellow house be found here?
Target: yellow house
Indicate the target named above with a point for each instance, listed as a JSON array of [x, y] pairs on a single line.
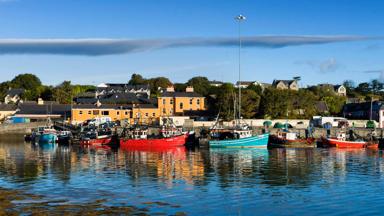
[[172, 103], [7, 110], [145, 113]]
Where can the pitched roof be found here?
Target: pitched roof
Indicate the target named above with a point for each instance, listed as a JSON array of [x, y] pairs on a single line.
[[180, 94], [15, 91], [35, 109], [8, 107], [286, 82]]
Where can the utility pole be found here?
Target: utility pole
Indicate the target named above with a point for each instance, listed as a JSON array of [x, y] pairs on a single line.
[[239, 19]]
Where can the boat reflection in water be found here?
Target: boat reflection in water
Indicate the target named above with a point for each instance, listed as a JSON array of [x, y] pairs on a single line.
[[224, 181]]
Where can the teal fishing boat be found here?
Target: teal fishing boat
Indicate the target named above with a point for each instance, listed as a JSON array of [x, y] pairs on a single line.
[[258, 141], [240, 136], [48, 136]]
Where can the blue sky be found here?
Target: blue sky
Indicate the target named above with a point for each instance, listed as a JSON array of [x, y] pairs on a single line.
[[146, 22]]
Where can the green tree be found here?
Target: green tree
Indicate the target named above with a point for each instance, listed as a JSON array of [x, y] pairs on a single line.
[[26, 81], [250, 102], [200, 85], [158, 82], [256, 88], [137, 79], [335, 104], [63, 93], [4, 87], [224, 101]]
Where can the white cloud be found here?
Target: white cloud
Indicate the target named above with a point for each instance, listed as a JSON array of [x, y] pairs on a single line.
[[96, 47], [326, 66]]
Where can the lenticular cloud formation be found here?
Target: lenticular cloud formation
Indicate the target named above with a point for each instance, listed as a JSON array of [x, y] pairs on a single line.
[[97, 47]]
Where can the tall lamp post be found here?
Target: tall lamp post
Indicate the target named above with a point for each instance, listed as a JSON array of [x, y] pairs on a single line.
[[240, 19]]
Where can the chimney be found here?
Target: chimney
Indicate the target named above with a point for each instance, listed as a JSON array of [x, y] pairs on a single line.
[[189, 89], [170, 89], [40, 101]]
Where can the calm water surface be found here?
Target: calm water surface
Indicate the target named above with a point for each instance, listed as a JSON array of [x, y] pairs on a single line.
[[201, 182]]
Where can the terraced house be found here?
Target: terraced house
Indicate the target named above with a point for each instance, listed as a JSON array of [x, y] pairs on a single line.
[[172, 103]]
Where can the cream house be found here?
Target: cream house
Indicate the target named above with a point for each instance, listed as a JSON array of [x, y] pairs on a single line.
[[13, 96], [286, 84]]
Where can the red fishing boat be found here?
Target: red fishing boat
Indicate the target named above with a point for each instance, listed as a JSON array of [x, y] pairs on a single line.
[[138, 138], [340, 141], [290, 139], [102, 136]]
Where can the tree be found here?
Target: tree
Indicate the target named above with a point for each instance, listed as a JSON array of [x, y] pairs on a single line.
[[200, 85], [4, 87], [250, 101], [376, 86], [256, 88], [63, 93], [363, 88], [26, 81], [159, 82], [137, 79], [224, 102], [335, 104]]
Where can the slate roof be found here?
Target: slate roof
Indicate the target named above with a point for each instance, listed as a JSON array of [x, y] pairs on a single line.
[[286, 82], [8, 107], [16, 91], [180, 94], [35, 109]]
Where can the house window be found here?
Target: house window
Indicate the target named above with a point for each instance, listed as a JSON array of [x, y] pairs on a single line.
[[126, 112], [171, 101], [146, 114], [81, 112], [164, 111], [118, 113], [153, 114], [198, 101], [105, 113], [130, 114], [164, 101], [96, 112], [171, 111], [191, 101], [89, 112], [181, 105]]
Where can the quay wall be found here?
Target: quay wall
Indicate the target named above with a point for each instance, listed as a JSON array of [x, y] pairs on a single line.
[[297, 123], [21, 128]]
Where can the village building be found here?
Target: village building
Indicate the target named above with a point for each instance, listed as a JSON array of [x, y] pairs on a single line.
[[142, 113], [41, 111], [113, 88], [339, 90], [286, 84], [172, 103], [365, 111], [7, 110], [14, 96], [216, 83]]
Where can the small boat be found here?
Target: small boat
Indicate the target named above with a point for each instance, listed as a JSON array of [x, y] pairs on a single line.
[[49, 135], [94, 138], [64, 137], [137, 137], [341, 141], [290, 139], [237, 138]]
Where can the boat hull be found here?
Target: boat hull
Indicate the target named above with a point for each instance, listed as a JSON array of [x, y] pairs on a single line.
[[154, 143], [99, 141], [259, 141], [47, 138], [281, 142], [346, 144]]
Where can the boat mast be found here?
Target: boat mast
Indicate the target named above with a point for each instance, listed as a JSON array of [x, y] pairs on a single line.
[[239, 19]]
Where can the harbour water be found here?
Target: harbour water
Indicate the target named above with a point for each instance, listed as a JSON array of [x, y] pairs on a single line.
[[199, 181]]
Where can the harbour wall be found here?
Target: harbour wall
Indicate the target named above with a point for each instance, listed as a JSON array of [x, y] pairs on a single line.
[[22, 128]]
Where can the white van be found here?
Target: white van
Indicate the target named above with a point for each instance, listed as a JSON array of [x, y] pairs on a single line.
[[321, 121]]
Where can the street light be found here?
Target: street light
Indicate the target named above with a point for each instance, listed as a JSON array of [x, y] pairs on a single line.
[[240, 18]]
